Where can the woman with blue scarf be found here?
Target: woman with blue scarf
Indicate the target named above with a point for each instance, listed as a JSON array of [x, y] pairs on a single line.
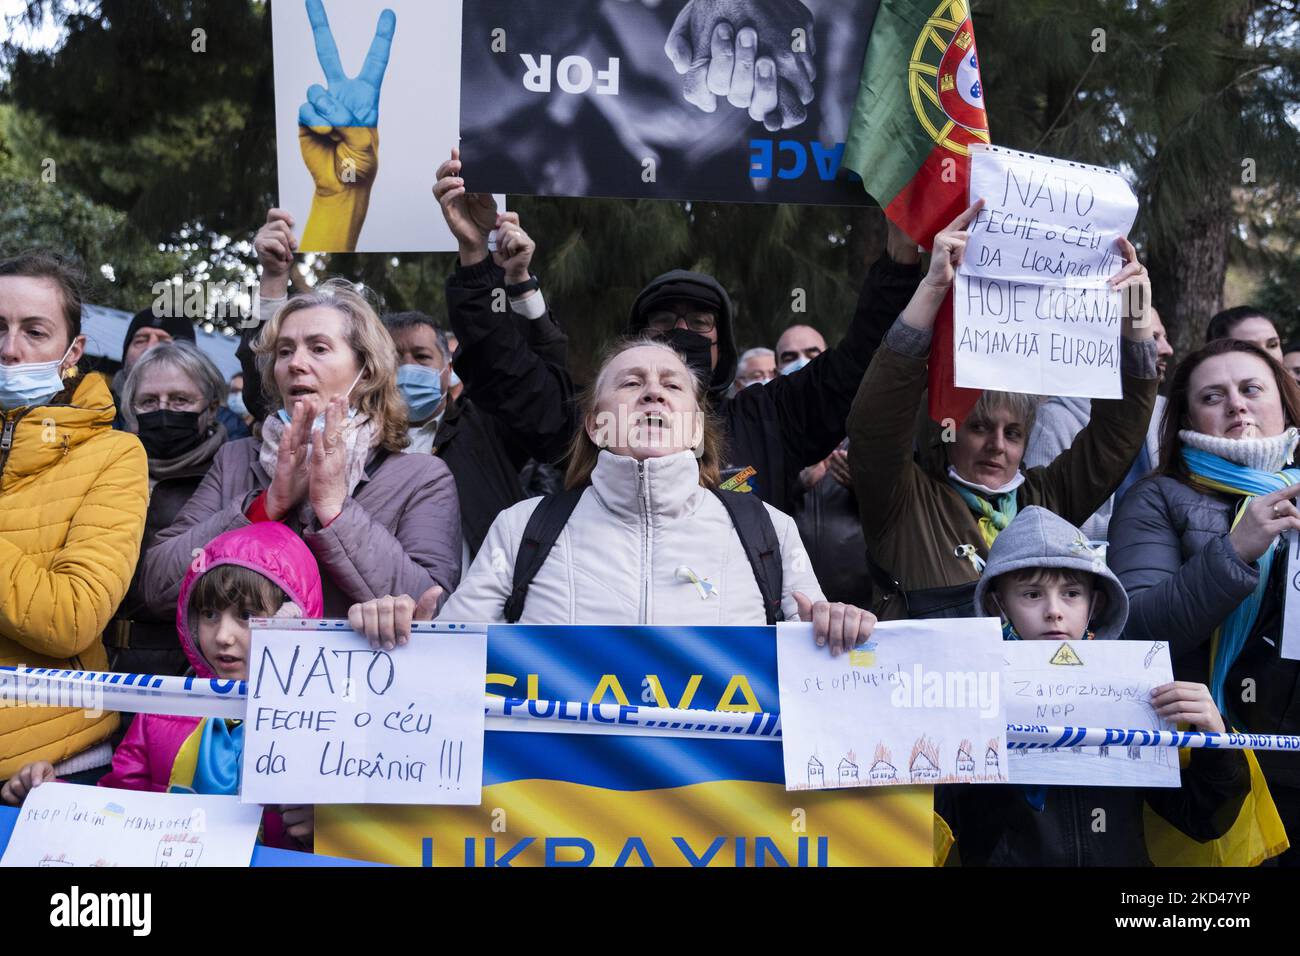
[[1201, 548]]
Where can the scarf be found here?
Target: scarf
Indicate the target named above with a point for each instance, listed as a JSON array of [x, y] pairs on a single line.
[[1212, 472], [208, 761], [359, 437], [188, 463], [991, 520], [1259, 454]]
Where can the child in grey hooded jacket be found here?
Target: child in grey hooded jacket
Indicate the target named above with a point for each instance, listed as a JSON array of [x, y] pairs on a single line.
[[1047, 583]]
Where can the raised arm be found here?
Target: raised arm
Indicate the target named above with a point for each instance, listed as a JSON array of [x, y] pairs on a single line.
[[882, 421], [813, 403], [503, 376]]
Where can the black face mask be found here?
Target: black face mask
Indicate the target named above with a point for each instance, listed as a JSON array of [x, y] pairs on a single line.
[[697, 349], [166, 434]]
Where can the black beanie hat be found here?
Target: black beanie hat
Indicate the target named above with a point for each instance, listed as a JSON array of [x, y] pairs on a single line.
[[177, 326]]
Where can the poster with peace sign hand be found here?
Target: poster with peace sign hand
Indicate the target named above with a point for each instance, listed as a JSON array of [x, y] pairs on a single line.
[[347, 71]]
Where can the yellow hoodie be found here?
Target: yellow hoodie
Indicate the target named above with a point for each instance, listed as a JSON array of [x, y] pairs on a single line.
[[73, 498]]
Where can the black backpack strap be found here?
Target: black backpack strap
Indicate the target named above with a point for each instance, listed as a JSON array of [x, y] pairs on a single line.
[[540, 534], [758, 536]]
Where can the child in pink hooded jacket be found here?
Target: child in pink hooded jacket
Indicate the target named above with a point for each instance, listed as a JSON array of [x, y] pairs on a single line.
[[263, 570]]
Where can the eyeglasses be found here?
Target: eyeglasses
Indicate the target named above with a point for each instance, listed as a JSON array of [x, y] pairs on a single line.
[[759, 375], [170, 403], [666, 319]]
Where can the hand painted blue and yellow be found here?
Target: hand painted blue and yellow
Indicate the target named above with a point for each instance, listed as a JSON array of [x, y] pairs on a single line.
[[338, 132]]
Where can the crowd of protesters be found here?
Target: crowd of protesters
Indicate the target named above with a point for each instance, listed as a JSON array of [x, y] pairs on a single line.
[[394, 467]]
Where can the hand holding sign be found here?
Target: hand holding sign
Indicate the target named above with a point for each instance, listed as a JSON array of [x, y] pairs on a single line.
[[1134, 285], [338, 134], [470, 216], [386, 621], [1187, 702]]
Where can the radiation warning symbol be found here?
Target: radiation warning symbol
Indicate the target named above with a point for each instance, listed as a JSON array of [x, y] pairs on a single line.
[[943, 79], [1065, 655]]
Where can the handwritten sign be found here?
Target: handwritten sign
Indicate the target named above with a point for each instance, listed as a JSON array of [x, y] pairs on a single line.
[[1031, 304], [65, 824], [1089, 684], [919, 704], [1291, 606], [332, 721]]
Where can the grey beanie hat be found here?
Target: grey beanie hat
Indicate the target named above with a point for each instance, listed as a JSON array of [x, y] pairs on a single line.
[[1038, 538]]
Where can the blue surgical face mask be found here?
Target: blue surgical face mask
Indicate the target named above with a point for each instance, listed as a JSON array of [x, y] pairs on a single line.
[[30, 384], [421, 386], [453, 381], [235, 402], [792, 367], [319, 423]]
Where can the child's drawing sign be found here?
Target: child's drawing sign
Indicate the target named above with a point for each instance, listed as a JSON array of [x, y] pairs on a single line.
[[64, 824], [905, 710], [1089, 684]]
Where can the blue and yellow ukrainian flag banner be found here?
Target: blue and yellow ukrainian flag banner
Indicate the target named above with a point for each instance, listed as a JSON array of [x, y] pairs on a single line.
[[580, 799]]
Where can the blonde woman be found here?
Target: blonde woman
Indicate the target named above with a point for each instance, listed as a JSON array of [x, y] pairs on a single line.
[[645, 537], [328, 464]]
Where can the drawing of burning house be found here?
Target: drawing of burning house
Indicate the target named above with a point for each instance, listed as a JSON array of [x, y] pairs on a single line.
[[178, 849], [882, 770], [848, 770], [965, 762], [924, 765], [991, 767], [816, 774]]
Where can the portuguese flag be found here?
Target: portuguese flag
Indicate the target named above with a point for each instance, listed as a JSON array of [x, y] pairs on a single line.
[[920, 106]]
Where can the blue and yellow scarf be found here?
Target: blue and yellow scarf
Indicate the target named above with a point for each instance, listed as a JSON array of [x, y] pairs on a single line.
[[1214, 473]]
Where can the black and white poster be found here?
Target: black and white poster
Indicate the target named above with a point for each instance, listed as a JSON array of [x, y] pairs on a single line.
[[727, 100]]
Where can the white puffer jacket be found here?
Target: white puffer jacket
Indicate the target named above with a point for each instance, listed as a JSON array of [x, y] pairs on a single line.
[[618, 559]]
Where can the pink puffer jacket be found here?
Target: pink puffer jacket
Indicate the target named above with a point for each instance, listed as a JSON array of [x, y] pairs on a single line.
[[143, 761]]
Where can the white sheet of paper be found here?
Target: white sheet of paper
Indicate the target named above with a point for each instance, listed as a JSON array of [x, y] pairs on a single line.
[[1032, 312], [1291, 607], [1045, 220], [65, 824], [331, 721], [419, 113], [1014, 337], [919, 704], [1089, 684]]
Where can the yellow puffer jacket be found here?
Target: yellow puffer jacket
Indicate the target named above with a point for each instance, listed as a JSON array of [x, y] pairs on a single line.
[[73, 497]]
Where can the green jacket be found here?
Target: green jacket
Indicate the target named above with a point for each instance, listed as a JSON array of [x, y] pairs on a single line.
[[912, 518]]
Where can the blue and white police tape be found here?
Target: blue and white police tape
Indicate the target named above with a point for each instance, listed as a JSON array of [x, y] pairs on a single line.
[[1040, 737], [203, 697]]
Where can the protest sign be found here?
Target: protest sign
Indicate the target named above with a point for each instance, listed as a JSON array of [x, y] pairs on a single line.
[[1033, 312], [558, 798], [1089, 684], [590, 98], [380, 97], [1291, 605], [919, 703], [64, 824], [332, 721]]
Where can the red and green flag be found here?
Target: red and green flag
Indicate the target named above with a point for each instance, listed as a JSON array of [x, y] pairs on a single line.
[[920, 106]]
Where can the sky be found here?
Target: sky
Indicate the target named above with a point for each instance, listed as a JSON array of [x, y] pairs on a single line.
[[46, 36]]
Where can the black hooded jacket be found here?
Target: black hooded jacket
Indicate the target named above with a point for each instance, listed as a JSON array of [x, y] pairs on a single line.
[[775, 430]]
